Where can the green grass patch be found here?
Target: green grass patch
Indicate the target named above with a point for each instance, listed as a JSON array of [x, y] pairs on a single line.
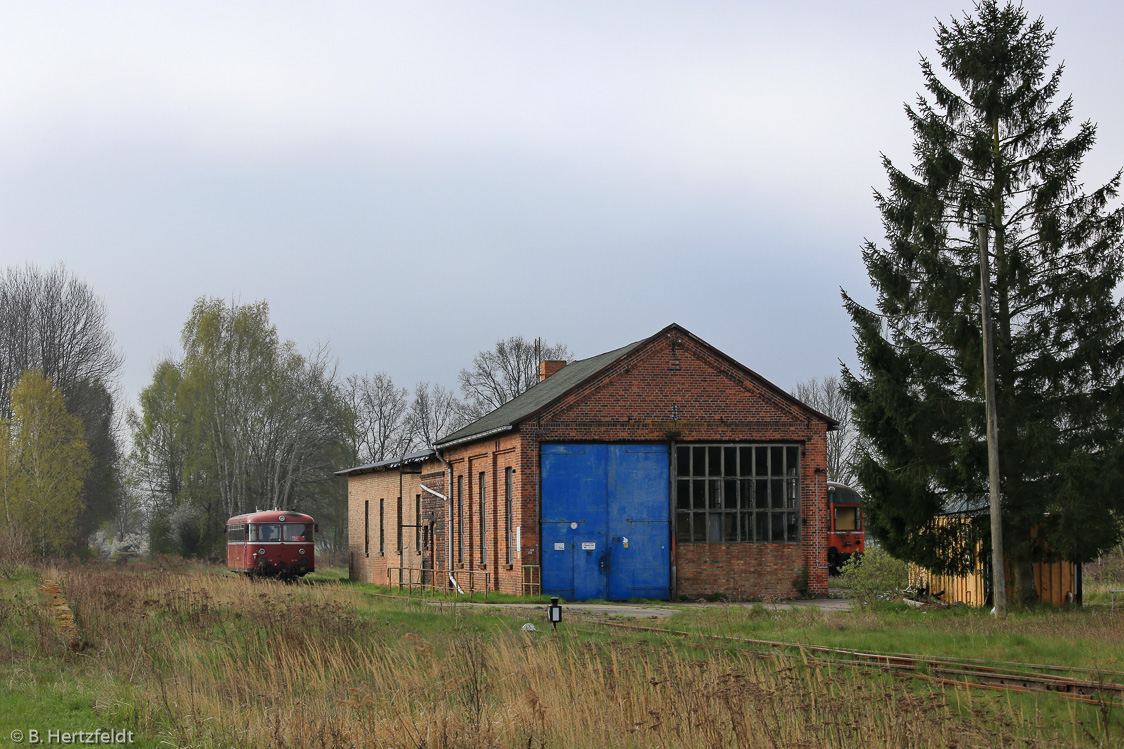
[[190, 656]]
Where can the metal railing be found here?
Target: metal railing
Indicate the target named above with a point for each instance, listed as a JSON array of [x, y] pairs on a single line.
[[428, 578], [531, 583]]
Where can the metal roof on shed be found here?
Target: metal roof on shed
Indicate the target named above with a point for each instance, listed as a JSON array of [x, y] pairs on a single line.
[[416, 457]]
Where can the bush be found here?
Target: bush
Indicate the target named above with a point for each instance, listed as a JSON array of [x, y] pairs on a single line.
[[15, 553], [875, 575]]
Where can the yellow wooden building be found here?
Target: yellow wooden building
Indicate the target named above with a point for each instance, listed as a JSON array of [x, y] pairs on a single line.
[[1058, 583]]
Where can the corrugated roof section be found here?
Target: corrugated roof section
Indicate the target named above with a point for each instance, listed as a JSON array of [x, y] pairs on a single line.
[[417, 457]]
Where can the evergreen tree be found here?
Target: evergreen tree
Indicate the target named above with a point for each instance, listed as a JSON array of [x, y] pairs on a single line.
[[992, 140]]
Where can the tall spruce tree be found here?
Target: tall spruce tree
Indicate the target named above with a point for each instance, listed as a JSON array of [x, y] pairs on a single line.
[[989, 138]]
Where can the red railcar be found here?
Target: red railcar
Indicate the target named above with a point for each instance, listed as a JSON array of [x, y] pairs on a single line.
[[275, 543], [845, 536]]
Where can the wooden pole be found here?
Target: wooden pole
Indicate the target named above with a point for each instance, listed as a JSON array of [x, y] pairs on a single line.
[[998, 578]]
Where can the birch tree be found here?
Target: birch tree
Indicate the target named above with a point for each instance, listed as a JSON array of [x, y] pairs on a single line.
[[244, 421]]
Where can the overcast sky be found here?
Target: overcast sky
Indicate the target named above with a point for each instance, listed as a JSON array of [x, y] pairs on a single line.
[[412, 181]]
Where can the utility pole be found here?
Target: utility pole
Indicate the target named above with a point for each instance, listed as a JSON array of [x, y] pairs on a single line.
[[998, 578]]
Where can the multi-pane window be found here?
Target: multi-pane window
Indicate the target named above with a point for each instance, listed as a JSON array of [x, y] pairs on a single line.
[[417, 523], [737, 493], [367, 527], [382, 535], [399, 546], [483, 522], [460, 519], [508, 523]]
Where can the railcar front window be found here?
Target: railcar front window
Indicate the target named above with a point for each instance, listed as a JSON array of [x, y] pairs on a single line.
[[298, 531], [846, 519], [269, 532]]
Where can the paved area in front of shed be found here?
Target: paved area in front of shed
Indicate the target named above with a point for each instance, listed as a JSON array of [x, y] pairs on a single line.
[[659, 611]]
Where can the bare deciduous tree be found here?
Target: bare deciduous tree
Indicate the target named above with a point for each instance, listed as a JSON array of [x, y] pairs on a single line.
[[826, 397], [53, 322], [382, 423], [501, 373], [434, 413]]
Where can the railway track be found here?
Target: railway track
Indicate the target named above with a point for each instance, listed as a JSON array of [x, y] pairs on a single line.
[[1080, 684]]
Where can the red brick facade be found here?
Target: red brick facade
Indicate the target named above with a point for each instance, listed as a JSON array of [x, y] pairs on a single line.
[[672, 389]]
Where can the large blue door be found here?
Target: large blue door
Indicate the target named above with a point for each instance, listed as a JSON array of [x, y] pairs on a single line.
[[606, 521]]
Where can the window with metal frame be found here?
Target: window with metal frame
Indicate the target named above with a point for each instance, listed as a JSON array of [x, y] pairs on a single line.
[[366, 527], [417, 523], [398, 547], [737, 493], [460, 519], [382, 526], [483, 521], [509, 523]]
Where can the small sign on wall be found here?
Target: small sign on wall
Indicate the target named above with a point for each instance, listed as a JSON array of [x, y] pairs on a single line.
[[560, 547], [589, 545]]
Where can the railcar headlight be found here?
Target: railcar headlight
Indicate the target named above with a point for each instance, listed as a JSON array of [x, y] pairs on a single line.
[[302, 550], [261, 550]]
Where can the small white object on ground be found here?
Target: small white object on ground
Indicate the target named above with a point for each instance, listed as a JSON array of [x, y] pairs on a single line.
[[528, 627]]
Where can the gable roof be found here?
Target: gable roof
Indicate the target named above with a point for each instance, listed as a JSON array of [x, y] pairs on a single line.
[[573, 375]]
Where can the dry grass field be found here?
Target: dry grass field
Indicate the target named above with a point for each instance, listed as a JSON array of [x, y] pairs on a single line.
[[193, 657]]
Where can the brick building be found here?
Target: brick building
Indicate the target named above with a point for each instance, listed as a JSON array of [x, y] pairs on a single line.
[[660, 469]]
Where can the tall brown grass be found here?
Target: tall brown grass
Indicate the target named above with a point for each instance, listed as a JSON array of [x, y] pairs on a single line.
[[207, 660]]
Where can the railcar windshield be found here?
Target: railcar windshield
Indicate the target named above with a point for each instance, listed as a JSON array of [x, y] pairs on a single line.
[[298, 531], [848, 519], [265, 532]]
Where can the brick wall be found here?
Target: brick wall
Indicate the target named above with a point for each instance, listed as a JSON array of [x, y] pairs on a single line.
[[739, 570], [493, 458], [373, 545]]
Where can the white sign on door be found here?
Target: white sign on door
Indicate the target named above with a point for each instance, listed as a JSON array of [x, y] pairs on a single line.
[[588, 545]]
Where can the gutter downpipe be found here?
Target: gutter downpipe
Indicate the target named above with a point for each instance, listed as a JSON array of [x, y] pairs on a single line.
[[449, 484], [448, 517], [441, 496]]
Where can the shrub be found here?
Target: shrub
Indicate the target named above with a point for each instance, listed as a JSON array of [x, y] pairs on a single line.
[[875, 575]]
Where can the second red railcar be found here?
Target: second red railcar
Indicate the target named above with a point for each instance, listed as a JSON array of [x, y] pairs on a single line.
[[846, 535]]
